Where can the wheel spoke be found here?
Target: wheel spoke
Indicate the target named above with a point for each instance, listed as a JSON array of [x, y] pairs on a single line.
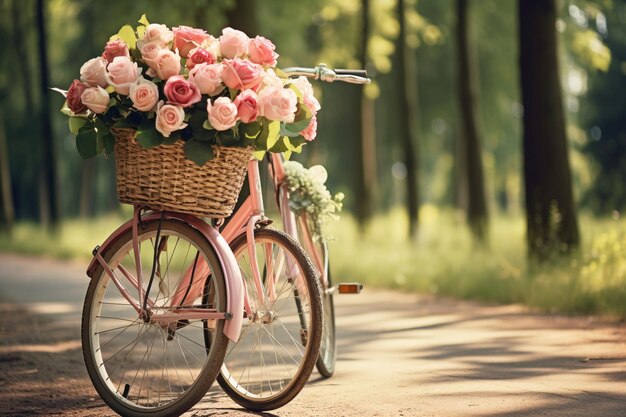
[[150, 363]]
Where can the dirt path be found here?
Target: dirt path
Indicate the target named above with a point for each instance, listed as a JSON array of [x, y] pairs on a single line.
[[400, 355]]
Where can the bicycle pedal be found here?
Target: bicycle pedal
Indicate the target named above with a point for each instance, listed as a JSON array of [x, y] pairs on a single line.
[[349, 288]]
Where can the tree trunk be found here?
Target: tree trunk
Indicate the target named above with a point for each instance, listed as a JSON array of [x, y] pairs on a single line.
[[407, 93], [48, 162], [552, 226], [470, 149], [242, 16], [8, 211], [87, 185], [366, 177]]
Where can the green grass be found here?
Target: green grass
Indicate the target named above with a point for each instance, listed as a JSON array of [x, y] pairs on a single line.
[[443, 261], [74, 240]]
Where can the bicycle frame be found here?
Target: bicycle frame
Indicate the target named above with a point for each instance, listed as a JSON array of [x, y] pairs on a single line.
[[234, 283], [277, 172], [245, 220]]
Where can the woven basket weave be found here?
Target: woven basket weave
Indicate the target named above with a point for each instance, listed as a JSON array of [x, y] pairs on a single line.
[[163, 178]]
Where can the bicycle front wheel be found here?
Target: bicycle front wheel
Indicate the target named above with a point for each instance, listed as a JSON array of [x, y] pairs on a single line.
[[148, 365], [281, 335]]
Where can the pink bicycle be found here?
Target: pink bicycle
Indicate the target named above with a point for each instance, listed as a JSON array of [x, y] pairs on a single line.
[[171, 305]]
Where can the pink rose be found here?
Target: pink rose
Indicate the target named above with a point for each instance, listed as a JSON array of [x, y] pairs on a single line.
[[222, 113], [158, 33], [278, 103], [186, 38], [96, 99], [144, 94], [261, 51], [213, 46], [247, 103], [121, 73], [93, 72], [308, 98], [270, 79], [208, 78], [169, 118], [115, 48], [310, 131], [73, 97], [150, 52], [167, 64], [233, 43], [181, 92], [241, 74], [199, 56]]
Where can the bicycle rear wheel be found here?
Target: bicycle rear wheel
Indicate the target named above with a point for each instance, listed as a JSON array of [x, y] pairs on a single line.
[[318, 252], [146, 366], [280, 339]]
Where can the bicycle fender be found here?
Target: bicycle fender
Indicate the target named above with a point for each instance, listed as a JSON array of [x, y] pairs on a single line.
[[232, 274]]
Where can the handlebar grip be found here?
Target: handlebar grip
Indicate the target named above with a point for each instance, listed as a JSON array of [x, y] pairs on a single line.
[[358, 73]]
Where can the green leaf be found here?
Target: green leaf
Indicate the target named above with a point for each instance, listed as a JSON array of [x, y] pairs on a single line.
[[207, 125], [302, 113], [125, 123], [295, 89], [127, 35], [280, 73], [268, 136], [66, 110], [76, 123], [149, 138], [58, 90], [169, 140], [227, 138], [198, 152], [144, 20], [259, 155], [196, 123], [298, 126], [105, 139], [108, 141], [250, 130], [280, 145], [87, 142]]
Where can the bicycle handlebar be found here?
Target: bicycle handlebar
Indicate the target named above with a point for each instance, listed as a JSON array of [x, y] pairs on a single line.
[[323, 73]]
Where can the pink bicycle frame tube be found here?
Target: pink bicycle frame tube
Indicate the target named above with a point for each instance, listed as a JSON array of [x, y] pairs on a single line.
[[234, 282]]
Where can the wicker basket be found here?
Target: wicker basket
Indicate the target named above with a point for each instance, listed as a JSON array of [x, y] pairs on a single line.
[[163, 178]]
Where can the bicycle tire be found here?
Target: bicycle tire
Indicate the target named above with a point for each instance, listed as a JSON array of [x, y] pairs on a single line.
[[268, 386], [328, 349], [169, 349]]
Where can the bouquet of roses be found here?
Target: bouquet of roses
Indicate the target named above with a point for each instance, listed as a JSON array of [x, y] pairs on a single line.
[[184, 84]]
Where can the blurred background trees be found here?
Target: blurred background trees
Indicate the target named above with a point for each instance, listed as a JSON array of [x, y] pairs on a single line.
[[442, 126]]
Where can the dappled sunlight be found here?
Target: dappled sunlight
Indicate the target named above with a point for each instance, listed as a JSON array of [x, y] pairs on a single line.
[[483, 361], [53, 308], [47, 348]]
